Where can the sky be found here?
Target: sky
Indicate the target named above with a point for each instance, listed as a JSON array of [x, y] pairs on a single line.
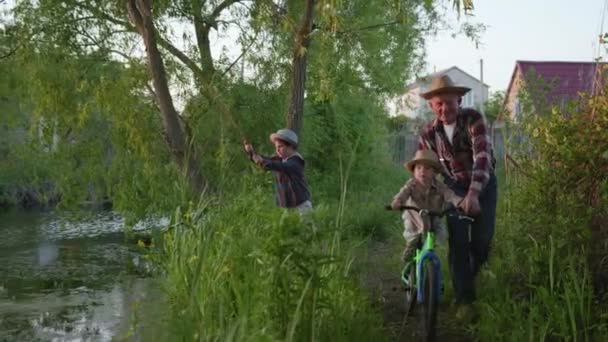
[[542, 30]]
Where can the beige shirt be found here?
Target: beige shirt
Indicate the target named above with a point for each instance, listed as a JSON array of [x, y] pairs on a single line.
[[435, 198]]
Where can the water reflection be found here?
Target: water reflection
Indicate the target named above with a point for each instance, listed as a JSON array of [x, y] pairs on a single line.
[[62, 280], [117, 313], [47, 254]]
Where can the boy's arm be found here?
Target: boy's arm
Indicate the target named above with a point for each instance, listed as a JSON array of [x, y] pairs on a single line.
[[448, 195], [291, 165], [257, 158], [252, 154], [404, 193]]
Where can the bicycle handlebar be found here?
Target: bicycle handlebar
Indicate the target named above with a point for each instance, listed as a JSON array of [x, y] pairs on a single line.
[[433, 213], [407, 207]]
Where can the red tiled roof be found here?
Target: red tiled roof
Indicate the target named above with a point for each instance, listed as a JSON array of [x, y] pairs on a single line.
[[567, 79]]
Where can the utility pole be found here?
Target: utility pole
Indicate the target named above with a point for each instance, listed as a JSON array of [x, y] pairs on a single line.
[[481, 88]]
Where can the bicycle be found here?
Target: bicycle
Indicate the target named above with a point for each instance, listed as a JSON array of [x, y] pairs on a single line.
[[423, 283]]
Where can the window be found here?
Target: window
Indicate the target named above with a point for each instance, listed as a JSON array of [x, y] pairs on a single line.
[[469, 99]]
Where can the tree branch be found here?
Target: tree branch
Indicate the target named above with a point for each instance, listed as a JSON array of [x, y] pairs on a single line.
[[222, 6], [201, 29], [95, 41], [241, 55], [99, 14], [299, 65], [370, 27], [31, 35], [196, 70], [181, 146], [121, 54], [10, 53], [177, 53]]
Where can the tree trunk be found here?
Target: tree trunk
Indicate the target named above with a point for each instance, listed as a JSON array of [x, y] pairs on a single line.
[[299, 63], [183, 151], [201, 30]]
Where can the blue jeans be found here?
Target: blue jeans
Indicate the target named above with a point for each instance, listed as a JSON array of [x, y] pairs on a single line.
[[470, 245]]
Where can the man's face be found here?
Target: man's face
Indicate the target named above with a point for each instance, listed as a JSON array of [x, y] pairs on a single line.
[[445, 106], [283, 149]]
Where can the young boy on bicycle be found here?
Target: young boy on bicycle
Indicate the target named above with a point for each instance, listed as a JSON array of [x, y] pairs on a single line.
[[291, 190], [423, 191]]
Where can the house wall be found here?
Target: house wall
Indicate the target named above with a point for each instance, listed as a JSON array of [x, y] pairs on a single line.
[[511, 98], [479, 92], [408, 104]]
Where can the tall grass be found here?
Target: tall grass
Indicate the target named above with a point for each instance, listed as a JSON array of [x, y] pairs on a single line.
[[247, 271], [539, 287], [531, 301]]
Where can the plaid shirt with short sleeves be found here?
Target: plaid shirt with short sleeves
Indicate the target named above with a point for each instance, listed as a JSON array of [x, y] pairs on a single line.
[[468, 160]]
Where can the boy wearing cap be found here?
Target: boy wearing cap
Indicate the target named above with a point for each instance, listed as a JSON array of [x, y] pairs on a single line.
[[423, 191], [288, 167]]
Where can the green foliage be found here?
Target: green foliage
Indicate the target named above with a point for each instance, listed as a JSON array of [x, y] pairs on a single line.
[[398, 123], [239, 268], [494, 107], [248, 271], [551, 239], [82, 81], [90, 134]]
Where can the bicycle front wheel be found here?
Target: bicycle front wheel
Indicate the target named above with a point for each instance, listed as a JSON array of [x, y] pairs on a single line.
[[410, 289], [430, 302]]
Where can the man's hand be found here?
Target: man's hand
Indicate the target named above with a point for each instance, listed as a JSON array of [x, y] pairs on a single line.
[[470, 204], [396, 204]]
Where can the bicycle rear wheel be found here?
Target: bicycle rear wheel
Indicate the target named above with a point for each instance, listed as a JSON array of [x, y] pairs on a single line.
[[430, 285]]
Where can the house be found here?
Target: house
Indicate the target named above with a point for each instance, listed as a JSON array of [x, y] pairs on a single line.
[[412, 105], [556, 82]]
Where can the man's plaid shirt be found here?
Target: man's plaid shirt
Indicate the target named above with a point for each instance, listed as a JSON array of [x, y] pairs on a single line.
[[468, 160]]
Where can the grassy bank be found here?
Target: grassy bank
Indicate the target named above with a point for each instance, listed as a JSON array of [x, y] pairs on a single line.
[[245, 270], [549, 263], [539, 285]]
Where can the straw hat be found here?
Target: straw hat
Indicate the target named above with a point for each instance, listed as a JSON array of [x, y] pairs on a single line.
[[427, 157], [444, 84], [286, 135]]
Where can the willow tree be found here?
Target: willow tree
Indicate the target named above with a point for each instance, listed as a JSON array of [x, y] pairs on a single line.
[[368, 44]]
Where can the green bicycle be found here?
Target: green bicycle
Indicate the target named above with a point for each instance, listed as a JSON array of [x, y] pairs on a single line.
[[423, 283]]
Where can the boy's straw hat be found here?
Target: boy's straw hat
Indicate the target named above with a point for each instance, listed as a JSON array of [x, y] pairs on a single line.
[[427, 157], [286, 135], [444, 84]]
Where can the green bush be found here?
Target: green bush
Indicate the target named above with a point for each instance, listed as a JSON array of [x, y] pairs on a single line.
[[547, 278]]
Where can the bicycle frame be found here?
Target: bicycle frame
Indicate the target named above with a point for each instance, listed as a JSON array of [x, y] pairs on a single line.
[[424, 253], [425, 260], [427, 252]]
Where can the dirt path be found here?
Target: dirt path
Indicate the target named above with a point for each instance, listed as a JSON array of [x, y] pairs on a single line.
[[380, 277]]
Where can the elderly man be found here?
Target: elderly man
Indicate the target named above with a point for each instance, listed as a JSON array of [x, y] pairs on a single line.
[[459, 137]]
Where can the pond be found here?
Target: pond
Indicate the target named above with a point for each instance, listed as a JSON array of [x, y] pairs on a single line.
[[76, 279]]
